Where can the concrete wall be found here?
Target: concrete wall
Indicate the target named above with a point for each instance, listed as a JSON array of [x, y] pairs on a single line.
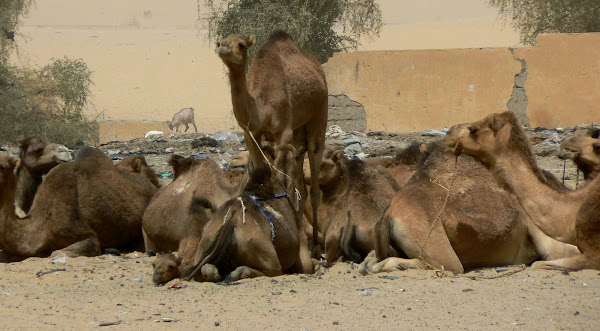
[[554, 84]]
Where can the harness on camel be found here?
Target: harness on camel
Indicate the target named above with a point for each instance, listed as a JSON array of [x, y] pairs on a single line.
[[256, 199]]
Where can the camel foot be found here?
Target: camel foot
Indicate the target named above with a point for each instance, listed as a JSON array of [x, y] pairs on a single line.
[[209, 273], [244, 272], [87, 247], [363, 268], [576, 263], [315, 252]]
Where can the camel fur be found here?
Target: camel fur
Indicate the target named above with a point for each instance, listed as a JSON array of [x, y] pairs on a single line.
[[38, 157], [80, 208], [355, 195], [283, 98], [499, 143], [241, 241], [583, 148], [480, 226]]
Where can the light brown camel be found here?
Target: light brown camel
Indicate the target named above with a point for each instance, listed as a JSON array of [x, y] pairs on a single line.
[[81, 207], [404, 164], [355, 195], [282, 98], [573, 217], [175, 218], [254, 234], [583, 147], [481, 225], [37, 158]]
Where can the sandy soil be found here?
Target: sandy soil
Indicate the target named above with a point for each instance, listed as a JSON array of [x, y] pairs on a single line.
[[94, 292], [117, 291]]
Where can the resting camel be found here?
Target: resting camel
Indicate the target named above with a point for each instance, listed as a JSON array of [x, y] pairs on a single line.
[[255, 234], [174, 219], [583, 147], [282, 98], [404, 164], [37, 158], [355, 195], [80, 208], [481, 225], [501, 145]]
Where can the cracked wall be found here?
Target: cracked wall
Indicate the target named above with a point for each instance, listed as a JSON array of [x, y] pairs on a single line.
[[346, 113], [518, 100]]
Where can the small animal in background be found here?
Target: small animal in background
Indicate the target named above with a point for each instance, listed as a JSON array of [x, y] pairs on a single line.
[[183, 117]]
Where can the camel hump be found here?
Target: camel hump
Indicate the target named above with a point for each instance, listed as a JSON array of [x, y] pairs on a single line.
[[89, 152], [279, 35]]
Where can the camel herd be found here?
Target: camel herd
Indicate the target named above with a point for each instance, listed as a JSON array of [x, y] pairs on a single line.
[[475, 198]]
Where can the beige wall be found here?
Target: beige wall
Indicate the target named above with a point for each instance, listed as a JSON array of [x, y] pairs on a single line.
[[417, 90], [563, 82]]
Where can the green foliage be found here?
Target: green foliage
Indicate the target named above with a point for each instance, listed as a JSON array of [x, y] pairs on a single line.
[[532, 17], [10, 13], [46, 103], [39, 104], [318, 27]]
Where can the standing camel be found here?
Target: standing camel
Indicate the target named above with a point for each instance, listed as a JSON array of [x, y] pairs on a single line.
[[573, 217], [282, 98]]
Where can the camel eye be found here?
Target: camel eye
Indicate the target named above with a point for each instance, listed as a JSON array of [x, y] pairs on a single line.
[[241, 45], [473, 131], [218, 44], [171, 267]]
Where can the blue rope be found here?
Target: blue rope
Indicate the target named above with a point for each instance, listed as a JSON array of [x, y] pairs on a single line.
[[256, 199]]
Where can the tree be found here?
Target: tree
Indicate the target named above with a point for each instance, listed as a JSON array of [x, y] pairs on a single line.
[[10, 13], [532, 17], [317, 26]]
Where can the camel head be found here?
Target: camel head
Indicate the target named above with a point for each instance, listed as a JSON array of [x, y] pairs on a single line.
[[583, 150], [488, 138], [233, 49], [8, 165], [166, 268], [39, 156], [137, 164], [331, 167]]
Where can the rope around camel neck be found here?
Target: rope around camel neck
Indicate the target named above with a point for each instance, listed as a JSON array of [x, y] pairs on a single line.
[[449, 189], [296, 191]]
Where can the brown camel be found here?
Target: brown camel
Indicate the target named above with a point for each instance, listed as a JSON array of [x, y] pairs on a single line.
[[404, 164], [175, 218], [283, 98], [37, 158], [255, 234], [81, 207], [480, 225], [500, 144], [583, 147], [355, 195]]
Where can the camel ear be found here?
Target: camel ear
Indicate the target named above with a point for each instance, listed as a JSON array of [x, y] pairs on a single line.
[[337, 156], [251, 41], [15, 163], [137, 165]]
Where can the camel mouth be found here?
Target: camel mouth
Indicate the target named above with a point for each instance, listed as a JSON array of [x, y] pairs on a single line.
[[566, 154]]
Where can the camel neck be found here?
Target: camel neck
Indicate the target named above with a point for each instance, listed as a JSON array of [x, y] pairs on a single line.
[[554, 212], [240, 98], [27, 185]]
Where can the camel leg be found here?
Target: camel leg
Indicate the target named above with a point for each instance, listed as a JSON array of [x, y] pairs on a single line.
[[187, 126], [255, 155], [86, 247], [315, 136], [244, 272], [149, 246], [579, 262], [372, 265], [209, 273], [332, 243], [195, 127], [549, 248]]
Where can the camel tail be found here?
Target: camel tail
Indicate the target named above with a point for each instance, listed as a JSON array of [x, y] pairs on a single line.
[[383, 247], [347, 240], [221, 241]]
